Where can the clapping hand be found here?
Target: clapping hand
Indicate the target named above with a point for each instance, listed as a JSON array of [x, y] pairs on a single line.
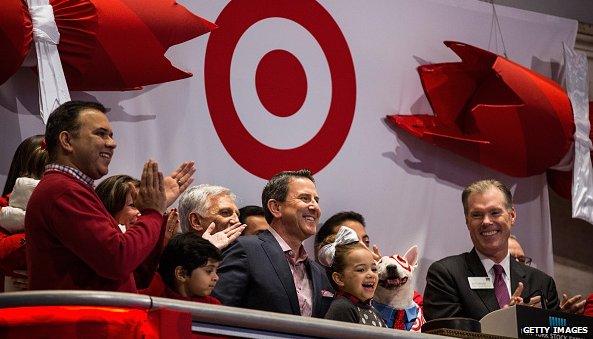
[[151, 192], [173, 225], [516, 298], [575, 304], [178, 181], [376, 253]]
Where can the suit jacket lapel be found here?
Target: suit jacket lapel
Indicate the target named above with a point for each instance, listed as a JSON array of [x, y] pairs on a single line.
[[477, 270], [281, 267], [518, 275], [317, 287]]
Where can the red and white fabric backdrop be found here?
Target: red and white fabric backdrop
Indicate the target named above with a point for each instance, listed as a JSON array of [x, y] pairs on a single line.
[[337, 68]]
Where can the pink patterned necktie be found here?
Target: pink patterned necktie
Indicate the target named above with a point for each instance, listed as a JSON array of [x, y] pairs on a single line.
[[500, 287]]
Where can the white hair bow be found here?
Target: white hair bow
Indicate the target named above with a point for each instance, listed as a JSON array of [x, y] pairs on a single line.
[[327, 253]]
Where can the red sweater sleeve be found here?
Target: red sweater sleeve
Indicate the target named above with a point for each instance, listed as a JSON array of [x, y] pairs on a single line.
[[80, 222], [147, 269]]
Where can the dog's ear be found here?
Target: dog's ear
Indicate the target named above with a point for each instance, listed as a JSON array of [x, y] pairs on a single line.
[[412, 256]]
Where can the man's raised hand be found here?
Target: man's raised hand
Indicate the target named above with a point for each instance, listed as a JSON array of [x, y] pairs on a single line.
[[178, 181], [151, 192], [575, 304], [225, 237]]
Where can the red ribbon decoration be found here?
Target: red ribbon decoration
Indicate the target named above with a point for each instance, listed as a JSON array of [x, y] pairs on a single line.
[[105, 45], [493, 111]]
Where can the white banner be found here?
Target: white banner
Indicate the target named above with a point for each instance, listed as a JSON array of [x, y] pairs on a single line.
[[275, 87]]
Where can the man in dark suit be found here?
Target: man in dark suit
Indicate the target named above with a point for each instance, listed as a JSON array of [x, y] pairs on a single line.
[[271, 271], [476, 283]]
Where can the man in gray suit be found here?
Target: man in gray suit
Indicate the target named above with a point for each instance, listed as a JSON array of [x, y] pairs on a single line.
[[486, 279], [271, 271]]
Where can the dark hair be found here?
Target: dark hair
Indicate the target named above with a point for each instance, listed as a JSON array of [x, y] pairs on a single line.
[[342, 251], [328, 227], [112, 192], [188, 250], [28, 161], [249, 211], [482, 186], [277, 188], [65, 118]]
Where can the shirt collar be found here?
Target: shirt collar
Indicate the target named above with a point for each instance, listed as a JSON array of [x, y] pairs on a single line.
[[75, 172], [354, 299], [302, 255], [488, 263], [388, 312], [279, 239]]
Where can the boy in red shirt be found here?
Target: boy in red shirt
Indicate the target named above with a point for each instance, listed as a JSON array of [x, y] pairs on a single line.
[[188, 268]]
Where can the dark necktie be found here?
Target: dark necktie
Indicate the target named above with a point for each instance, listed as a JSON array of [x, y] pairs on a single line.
[[500, 287]]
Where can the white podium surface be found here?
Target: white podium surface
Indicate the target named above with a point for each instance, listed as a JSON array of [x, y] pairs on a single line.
[[501, 322]]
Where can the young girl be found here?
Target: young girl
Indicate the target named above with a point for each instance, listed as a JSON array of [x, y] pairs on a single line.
[[26, 168], [354, 275], [12, 217]]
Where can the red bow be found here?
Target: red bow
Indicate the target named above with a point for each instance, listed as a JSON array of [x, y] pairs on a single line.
[[104, 44], [494, 112]]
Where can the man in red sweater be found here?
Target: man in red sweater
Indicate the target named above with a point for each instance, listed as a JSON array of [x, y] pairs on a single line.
[[72, 240]]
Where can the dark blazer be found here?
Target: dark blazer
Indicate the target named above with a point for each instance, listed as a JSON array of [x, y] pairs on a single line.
[[447, 292], [255, 274]]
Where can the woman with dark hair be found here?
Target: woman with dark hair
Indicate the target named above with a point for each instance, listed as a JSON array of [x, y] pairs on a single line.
[[116, 194], [26, 169]]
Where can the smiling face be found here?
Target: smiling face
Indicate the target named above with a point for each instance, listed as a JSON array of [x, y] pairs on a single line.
[[128, 214], [91, 148], [359, 276], [394, 272], [396, 279], [300, 211], [222, 211], [489, 221]]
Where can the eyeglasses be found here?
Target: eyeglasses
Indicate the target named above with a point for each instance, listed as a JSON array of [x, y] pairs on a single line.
[[523, 260]]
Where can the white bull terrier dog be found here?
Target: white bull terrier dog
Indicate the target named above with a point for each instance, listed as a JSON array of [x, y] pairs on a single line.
[[394, 297]]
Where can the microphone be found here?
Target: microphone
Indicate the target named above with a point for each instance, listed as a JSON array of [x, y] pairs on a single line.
[[544, 300]]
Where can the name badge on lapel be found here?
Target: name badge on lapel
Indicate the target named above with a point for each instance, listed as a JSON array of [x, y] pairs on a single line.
[[480, 283]]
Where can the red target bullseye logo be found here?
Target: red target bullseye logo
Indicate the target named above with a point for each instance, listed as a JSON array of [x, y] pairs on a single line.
[[281, 85]]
